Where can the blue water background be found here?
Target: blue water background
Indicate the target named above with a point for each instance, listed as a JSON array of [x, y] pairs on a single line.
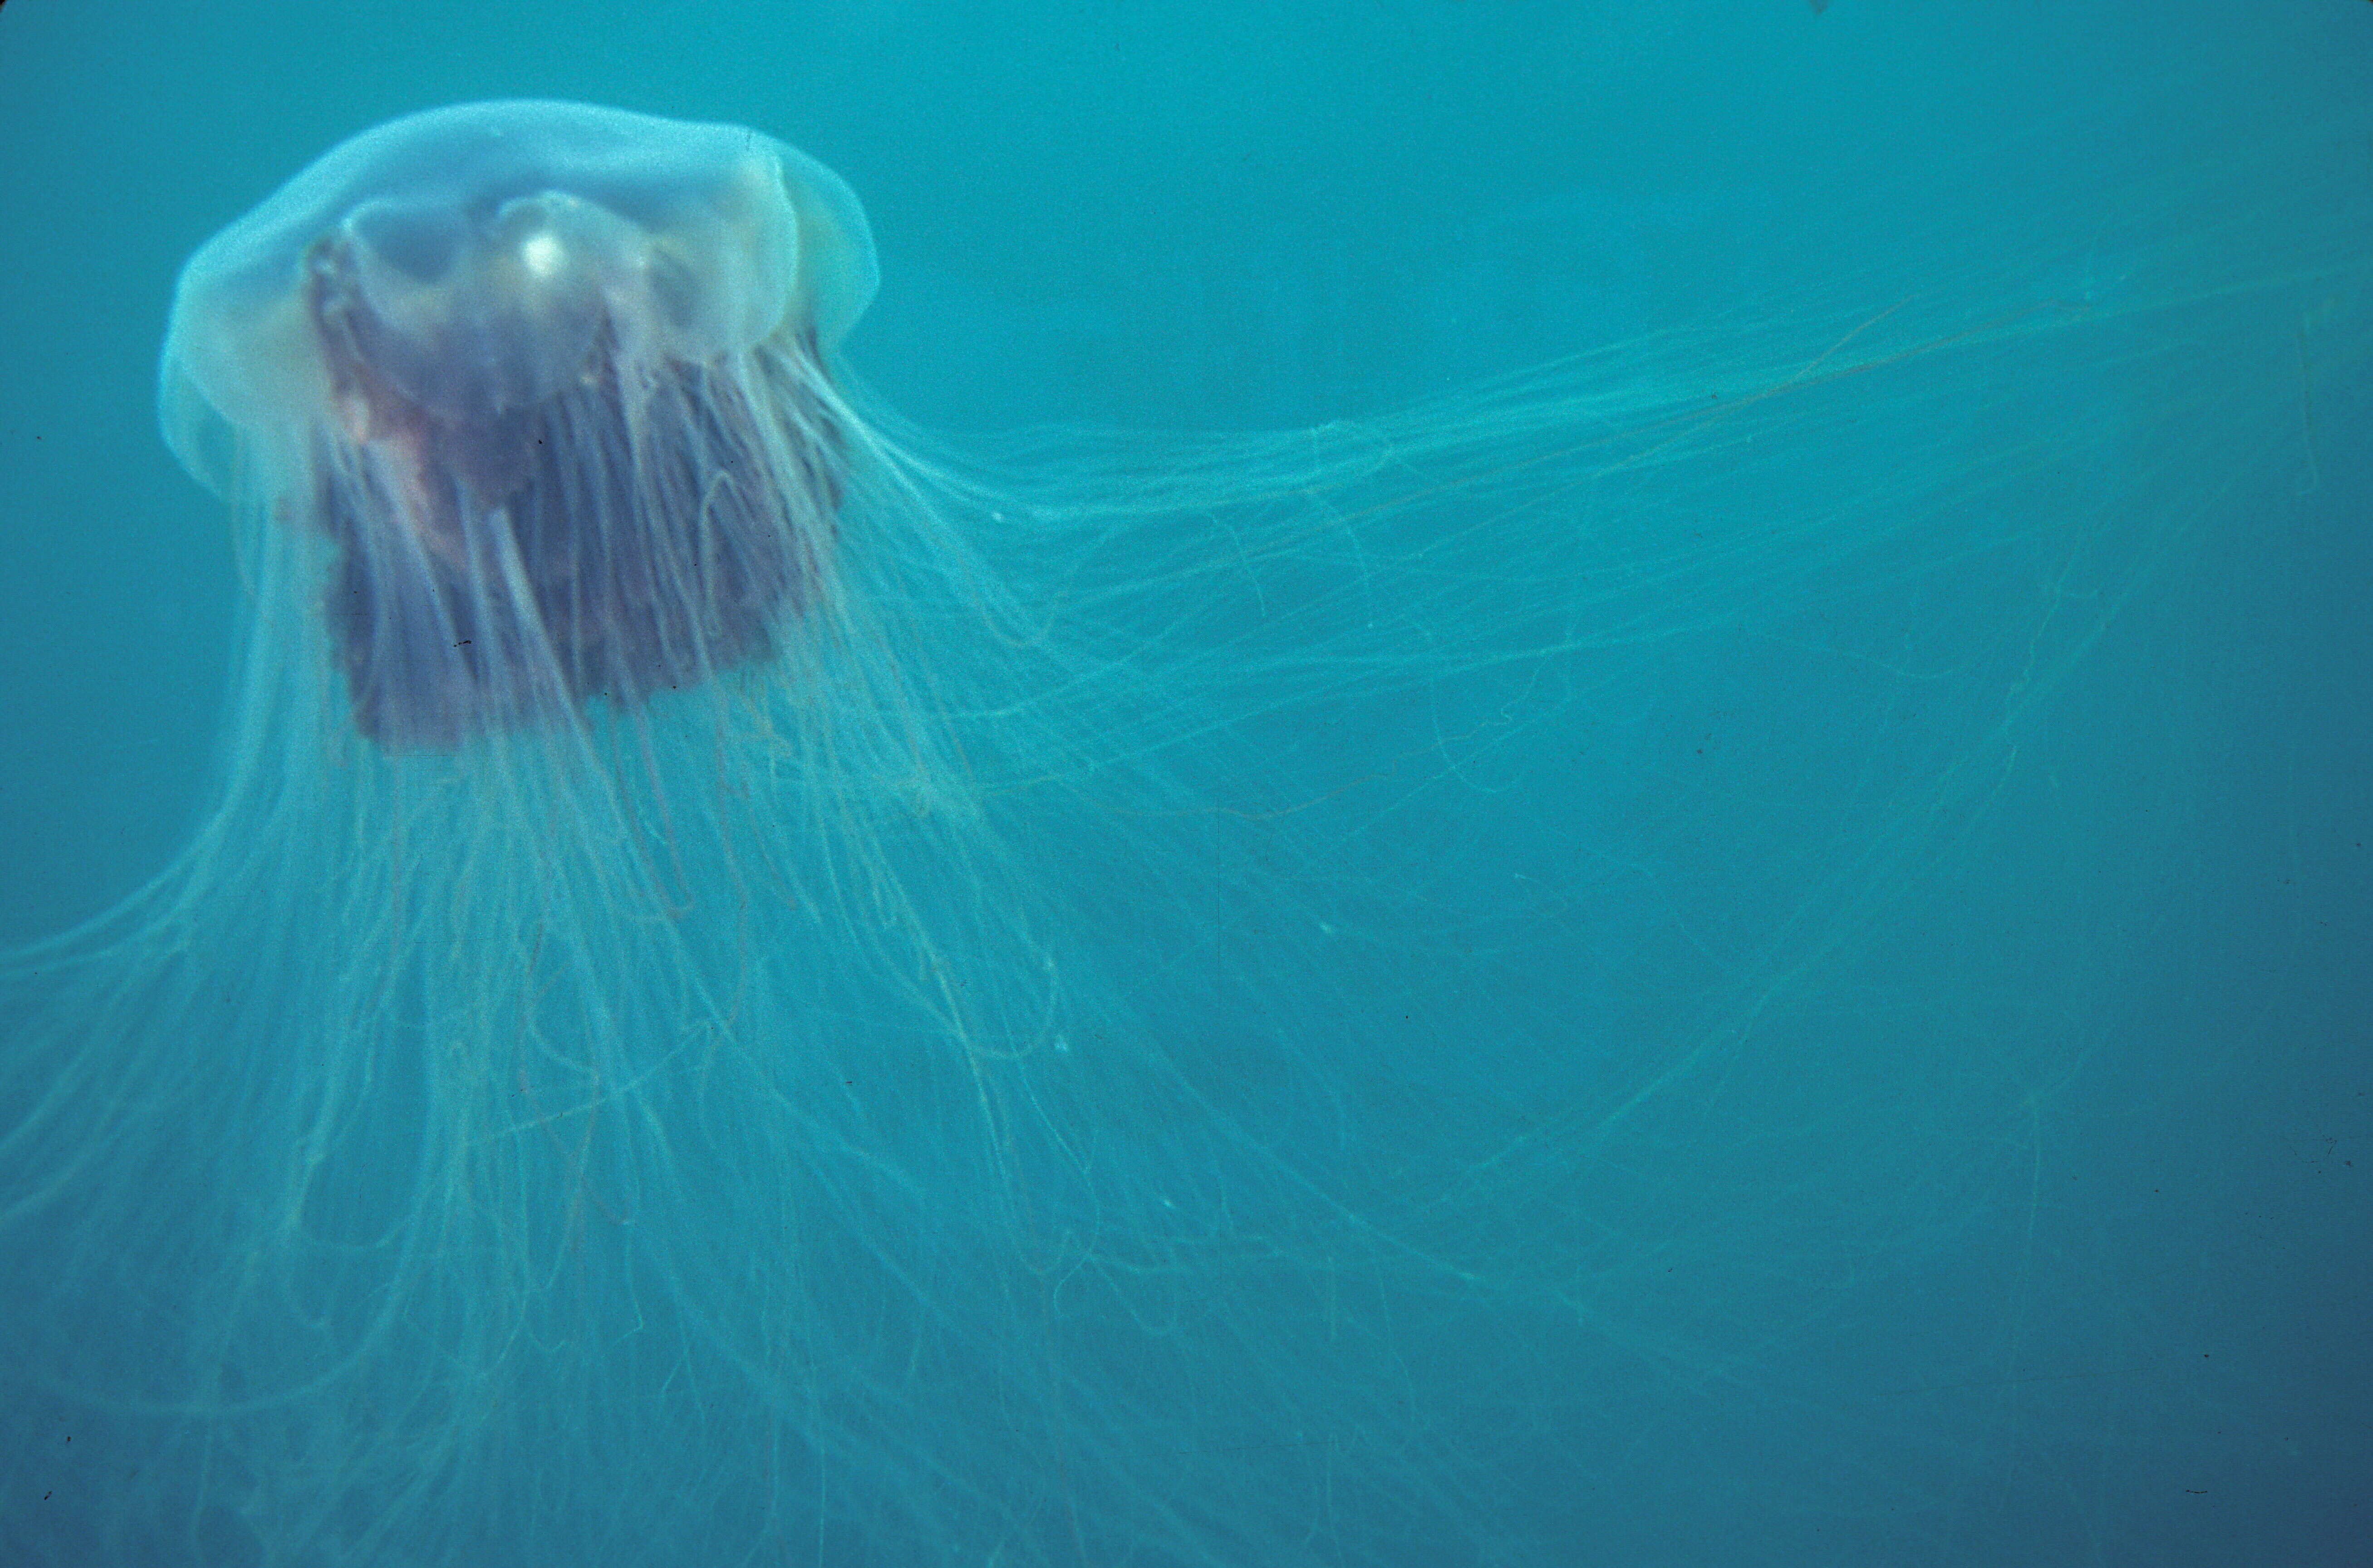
[[1245, 216]]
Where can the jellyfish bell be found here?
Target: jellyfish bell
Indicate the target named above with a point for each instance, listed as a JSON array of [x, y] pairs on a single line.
[[551, 379]]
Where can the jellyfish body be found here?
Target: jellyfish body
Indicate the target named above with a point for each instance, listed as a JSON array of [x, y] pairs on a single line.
[[546, 375], [747, 995], [620, 959]]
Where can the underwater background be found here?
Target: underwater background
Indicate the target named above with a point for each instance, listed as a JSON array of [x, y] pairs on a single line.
[[2025, 1218]]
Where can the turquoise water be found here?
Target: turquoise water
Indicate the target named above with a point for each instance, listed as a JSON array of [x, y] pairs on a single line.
[[1689, 886]]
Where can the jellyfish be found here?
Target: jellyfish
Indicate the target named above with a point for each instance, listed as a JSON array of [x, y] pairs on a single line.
[[754, 989]]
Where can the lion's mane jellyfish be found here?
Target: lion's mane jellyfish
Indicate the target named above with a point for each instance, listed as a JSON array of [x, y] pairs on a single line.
[[1460, 987], [551, 379]]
